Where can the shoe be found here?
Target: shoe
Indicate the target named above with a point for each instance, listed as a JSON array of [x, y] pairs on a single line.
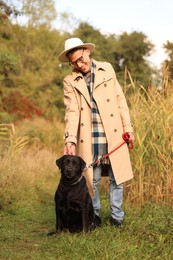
[[116, 223], [97, 221]]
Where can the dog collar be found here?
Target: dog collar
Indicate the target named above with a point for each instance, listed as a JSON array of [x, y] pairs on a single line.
[[74, 183]]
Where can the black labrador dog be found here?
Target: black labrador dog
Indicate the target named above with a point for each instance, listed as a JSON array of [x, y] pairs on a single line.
[[74, 209]]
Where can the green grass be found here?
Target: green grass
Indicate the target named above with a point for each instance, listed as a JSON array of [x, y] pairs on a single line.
[[24, 224], [28, 180]]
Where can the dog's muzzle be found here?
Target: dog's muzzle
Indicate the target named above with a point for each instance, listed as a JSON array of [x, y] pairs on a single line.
[[69, 173]]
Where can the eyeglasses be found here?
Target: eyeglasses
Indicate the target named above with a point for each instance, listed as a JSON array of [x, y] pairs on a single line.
[[79, 60]]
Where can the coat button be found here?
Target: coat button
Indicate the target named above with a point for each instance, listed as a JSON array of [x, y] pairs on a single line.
[[115, 130], [105, 85], [108, 100], [81, 124], [81, 141], [81, 109], [111, 115]]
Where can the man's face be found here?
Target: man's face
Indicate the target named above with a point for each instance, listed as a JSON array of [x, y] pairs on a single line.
[[80, 60]]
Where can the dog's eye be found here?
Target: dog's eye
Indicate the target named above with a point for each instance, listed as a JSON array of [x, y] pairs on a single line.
[[74, 163], [66, 162]]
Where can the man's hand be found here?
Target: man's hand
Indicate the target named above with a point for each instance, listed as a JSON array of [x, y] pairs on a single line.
[[131, 140], [70, 148]]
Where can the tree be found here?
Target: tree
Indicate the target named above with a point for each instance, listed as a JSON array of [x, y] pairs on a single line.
[[126, 51], [130, 52], [89, 34], [7, 11], [168, 46], [39, 12], [8, 62], [66, 22]]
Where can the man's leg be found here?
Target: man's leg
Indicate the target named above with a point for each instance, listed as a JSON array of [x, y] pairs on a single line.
[[116, 199], [96, 181], [96, 198]]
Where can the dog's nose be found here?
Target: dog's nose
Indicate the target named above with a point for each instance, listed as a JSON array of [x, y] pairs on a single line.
[[69, 173]]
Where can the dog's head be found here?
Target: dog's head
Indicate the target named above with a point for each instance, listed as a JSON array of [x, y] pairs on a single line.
[[71, 167]]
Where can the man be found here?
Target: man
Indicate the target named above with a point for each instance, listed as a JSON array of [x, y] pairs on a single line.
[[96, 116]]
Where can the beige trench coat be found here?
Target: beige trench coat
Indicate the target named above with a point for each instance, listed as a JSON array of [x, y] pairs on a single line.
[[114, 113]]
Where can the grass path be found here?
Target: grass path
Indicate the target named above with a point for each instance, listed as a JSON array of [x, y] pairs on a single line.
[[147, 233]]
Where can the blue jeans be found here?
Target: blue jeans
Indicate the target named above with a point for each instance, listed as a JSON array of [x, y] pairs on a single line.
[[115, 193]]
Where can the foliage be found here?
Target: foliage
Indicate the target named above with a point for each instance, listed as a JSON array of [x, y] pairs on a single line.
[[168, 46], [39, 12], [88, 34], [123, 51], [19, 105], [132, 50], [32, 77], [37, 75], [29, 64], [66, 22], [8, 62], [7, 10]]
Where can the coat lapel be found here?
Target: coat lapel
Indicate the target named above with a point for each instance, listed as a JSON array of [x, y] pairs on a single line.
[[100, 74], [100, 77], [81, 86]]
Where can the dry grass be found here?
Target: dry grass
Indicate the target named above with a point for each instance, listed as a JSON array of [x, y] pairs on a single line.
[[31, 163], [29, 176], [29, 151], [152, 157]]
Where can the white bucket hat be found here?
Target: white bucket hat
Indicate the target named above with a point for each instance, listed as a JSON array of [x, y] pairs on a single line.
[[74, 43]]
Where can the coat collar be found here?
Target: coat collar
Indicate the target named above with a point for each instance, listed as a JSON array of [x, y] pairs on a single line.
[[100, 77], [99, 66]]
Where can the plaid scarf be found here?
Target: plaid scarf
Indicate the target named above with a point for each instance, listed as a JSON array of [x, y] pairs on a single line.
[[99, 142]]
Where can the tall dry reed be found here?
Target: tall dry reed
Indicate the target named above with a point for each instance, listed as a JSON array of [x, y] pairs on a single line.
[[28, 154], [152, 158]]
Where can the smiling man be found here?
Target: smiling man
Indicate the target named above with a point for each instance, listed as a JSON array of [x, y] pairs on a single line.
[[96, 117]]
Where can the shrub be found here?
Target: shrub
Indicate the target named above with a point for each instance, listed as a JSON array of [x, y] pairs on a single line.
[[19, 105]]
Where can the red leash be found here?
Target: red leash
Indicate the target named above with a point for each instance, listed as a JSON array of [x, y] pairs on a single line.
[[126, 138]]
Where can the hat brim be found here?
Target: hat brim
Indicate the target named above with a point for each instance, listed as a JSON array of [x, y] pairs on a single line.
[[62, 56]]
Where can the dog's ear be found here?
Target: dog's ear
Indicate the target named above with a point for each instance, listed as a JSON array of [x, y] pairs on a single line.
[[59, 162], [83, 164]]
